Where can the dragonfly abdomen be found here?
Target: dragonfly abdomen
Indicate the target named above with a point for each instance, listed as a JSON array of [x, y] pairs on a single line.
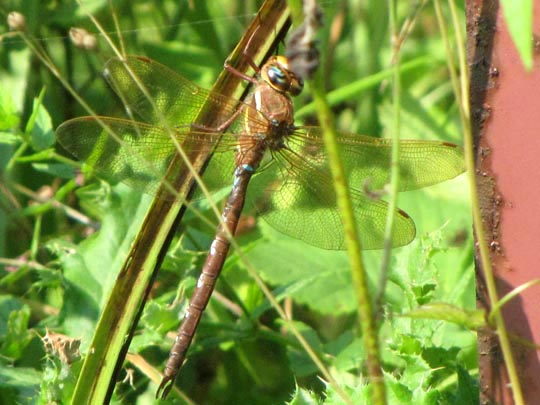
[[209, 274]]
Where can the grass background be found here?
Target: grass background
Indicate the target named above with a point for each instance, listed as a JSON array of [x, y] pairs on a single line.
[[58, 264]]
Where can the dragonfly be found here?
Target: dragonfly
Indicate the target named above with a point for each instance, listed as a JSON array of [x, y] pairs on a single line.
[[285, 166]]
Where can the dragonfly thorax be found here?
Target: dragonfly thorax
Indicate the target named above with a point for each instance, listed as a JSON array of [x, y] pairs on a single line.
[[271, 116], [268, 121]]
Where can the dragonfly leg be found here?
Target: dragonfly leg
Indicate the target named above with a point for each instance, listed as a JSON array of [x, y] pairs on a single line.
[[227, 66], [248, 58], [221, 127]]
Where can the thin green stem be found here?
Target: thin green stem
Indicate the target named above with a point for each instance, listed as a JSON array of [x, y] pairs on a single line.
[[462, 89], [18, 153], [36, 237], [354, 248], [394, 162]]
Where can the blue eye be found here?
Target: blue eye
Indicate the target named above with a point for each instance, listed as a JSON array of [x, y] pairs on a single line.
[[276, 76]]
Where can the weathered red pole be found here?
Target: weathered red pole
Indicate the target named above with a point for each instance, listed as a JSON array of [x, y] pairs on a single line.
[[505, 105]]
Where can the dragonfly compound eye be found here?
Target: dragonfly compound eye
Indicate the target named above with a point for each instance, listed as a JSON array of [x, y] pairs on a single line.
[[283, 81], [277, 78]]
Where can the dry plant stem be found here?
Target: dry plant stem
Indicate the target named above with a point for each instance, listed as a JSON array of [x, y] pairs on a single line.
[[148, 370], [461, 88]]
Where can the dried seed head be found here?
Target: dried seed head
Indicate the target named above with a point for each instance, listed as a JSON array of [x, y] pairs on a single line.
[[83, 39], [301, 48], [16, 21]]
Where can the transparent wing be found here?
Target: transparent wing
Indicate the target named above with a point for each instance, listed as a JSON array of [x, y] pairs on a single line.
[[139, 154], [366, 159], [294, 192], [136, 153], [153, 92], [299, 198]]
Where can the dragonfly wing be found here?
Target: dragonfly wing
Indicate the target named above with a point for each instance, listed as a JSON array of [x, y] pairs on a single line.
[[366, 159], [125, 151], [158, 95], [303, 205], [218, 173]]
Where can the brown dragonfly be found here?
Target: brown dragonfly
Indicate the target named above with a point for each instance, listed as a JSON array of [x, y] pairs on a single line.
[[286, 166]]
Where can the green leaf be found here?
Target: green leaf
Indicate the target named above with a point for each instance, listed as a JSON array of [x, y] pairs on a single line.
[[351, 356], [148, 338], [519, 19], [398, 393], [61, 170], [91, 268], [303, 397], [18, 384], [421, 118], [40, 125], [58, 381], [358, 392], [8, 304], [9, 138], [9, 119], [301, 363], [315, 277], [468, 389], [159, 317], [17, 336]]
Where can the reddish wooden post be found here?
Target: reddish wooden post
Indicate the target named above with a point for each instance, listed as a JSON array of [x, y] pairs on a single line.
[[505, 105]]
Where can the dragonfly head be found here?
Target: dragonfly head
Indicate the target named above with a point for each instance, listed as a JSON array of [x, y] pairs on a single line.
[[277, 74]]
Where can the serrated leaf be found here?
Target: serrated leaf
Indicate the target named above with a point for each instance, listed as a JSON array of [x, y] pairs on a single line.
[[303, 397], [17, 336], [358, 393], [398, 393], [8, 304]]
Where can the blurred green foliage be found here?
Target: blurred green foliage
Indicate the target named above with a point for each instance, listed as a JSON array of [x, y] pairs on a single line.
[[57, 264]]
